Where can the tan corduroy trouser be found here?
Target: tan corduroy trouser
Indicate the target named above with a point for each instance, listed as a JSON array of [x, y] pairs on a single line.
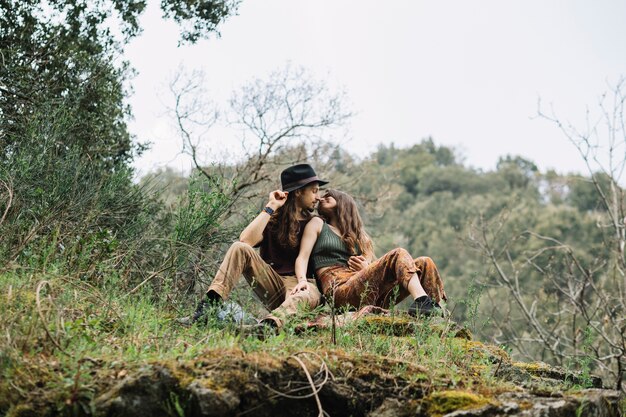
[[376, 283], [273, 289]]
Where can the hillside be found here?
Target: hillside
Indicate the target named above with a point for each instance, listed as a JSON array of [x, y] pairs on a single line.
[[69, 348]]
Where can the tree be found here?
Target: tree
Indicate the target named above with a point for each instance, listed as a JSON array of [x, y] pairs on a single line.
[[198, 19], [577, 317], [61, 53], [518, 171], [281, 120], [64, 145]]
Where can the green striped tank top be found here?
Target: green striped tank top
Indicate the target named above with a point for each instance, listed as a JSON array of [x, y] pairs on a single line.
[[329, 250]]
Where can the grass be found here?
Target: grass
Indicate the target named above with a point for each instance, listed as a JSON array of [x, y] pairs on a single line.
[[62, 341]]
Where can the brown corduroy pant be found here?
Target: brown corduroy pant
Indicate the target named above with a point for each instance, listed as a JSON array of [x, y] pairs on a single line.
[[383, 281], [273, 289]]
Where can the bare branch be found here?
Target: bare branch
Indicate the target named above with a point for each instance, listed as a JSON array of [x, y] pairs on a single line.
[[9, 200]]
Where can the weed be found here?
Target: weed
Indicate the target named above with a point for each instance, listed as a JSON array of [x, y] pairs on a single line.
[[580, 367], [173, 406], [472, 302]]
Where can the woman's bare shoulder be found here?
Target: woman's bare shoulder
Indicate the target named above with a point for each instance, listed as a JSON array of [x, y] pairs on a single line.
[[315, 223]]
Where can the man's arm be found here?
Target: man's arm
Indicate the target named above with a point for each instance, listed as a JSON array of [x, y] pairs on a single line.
[[253, 233]]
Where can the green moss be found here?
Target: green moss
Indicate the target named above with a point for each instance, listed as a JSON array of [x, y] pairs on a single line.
[[531, 367], [490, 350], [397, 326], [180, 372], [443, 402], [403, 325]]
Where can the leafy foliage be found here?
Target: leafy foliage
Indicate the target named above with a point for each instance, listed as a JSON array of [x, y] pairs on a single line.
[[51, 64], [198, 18], [64, 53], [66, 192]]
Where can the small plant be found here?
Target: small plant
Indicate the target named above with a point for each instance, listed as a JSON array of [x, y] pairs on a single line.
[[472, 303], [582, 364], [393, 299], [173, 406], [365, 295]]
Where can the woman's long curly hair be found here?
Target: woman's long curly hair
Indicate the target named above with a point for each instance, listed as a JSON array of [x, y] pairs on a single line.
[[350, 224], [285, 221]]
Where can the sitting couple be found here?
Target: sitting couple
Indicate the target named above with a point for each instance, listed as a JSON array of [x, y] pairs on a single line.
[[340, 251]]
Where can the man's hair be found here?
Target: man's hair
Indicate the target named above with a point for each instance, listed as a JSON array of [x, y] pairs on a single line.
[[286, 223], [350, 224]]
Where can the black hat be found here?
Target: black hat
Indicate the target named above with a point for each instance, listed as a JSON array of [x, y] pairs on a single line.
[[298, 176]]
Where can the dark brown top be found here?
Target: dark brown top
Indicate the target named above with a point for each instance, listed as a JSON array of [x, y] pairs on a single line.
[[281, 257]]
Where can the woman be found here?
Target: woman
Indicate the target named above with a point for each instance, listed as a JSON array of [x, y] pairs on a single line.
[[342, 257]]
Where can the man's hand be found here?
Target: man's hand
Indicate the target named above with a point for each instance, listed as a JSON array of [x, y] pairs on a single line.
[[277, 199], [301, 286], [358, 262]]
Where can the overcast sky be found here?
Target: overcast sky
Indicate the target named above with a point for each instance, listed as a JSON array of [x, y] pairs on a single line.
[[467, 73]]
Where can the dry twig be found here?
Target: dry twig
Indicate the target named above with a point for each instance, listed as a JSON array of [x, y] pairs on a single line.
[[9, 200], [43, 320]]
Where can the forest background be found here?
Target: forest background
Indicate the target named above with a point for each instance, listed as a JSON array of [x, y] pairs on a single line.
[[532, 260]]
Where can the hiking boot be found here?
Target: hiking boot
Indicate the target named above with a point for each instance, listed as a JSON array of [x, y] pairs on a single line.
[[209, 302], [425, 306], [266, 328]]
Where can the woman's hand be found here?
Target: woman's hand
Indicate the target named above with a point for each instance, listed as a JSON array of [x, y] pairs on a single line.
[[301, 286], [358, 262]]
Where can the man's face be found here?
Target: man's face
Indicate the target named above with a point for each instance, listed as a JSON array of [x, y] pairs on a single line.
[[309, 196]]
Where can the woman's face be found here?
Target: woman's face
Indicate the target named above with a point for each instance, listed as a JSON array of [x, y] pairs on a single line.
[[327, 204]]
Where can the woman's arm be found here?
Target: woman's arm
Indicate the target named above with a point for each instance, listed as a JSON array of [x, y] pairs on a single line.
[[311, 232], [358, 262]]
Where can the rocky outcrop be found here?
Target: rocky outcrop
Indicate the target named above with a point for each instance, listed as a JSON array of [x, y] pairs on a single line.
[[229, 383], [275, 382], [587, 403]]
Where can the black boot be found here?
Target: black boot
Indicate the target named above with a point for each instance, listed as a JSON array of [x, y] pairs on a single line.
[[210, 301], [425, 306], [265, 328]]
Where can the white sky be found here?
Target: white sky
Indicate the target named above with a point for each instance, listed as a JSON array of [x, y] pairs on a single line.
[[467, 73]]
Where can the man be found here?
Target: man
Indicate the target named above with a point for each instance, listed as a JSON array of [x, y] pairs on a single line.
[[277, 231]]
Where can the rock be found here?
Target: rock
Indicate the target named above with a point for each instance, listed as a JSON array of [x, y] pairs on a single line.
[[587, 403], [149, 393], [227, 382], [540, 374], [393, 407], [211, 403]]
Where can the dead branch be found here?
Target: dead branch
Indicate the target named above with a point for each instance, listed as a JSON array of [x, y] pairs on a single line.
[[9, 200]]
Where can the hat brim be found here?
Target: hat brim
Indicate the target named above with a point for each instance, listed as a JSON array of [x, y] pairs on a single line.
[[304, 184]]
